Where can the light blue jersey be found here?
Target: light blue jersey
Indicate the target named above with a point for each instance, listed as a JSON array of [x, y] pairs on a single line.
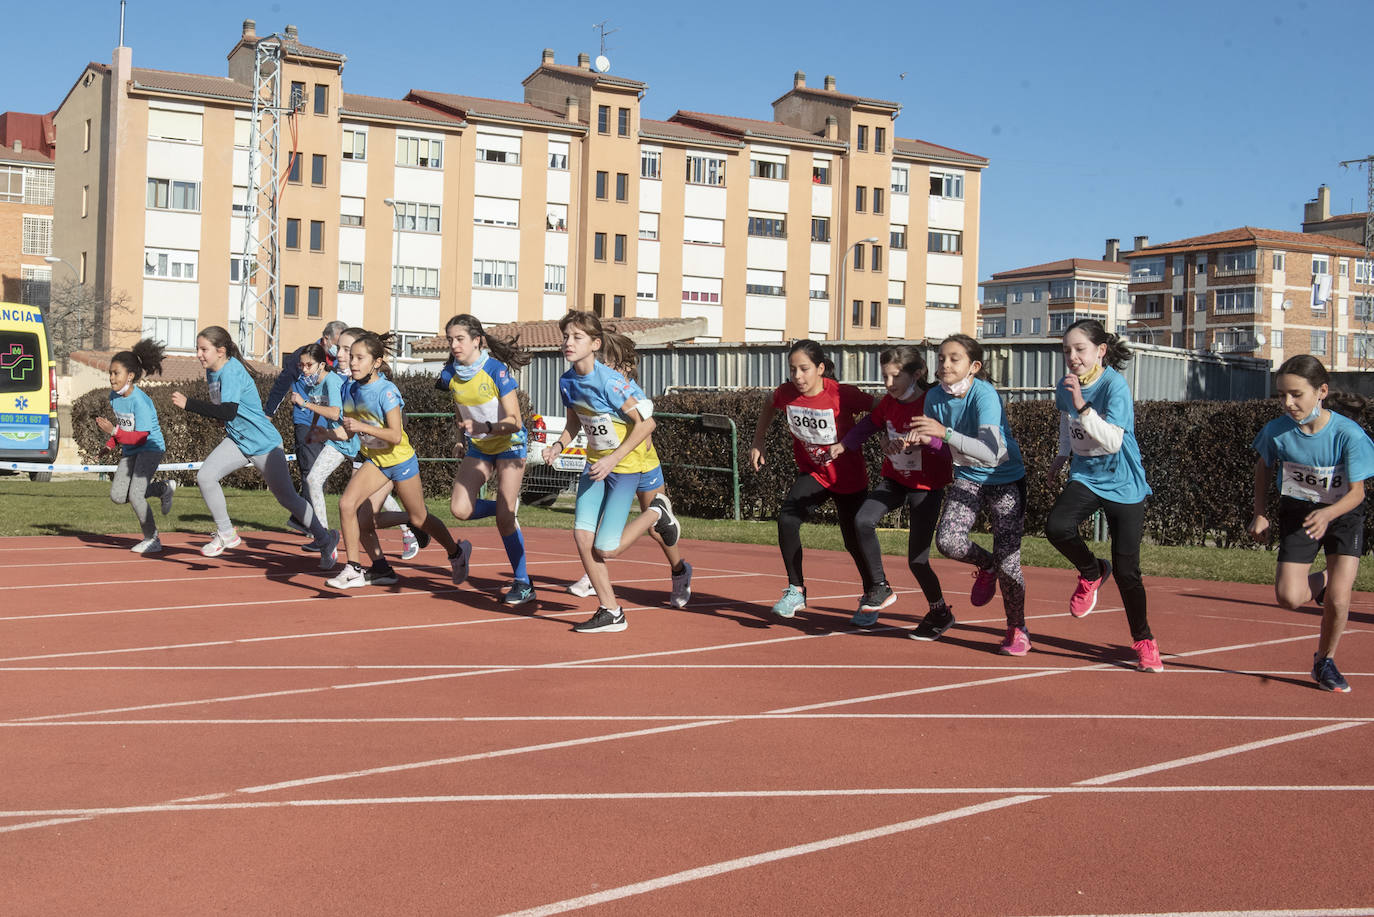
[[329, 393], [977, 412], [251, 430], [134, 412], [1118, 476], [1317, 467]]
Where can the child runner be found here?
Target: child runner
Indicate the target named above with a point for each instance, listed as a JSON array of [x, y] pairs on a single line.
[[819, 411], [251, 440], [479, 376], [967, 414], [651, 485], [1097, 428], [323, 400], [913, 475], [1324, 459], [618, 424], [139, 435], [372, 411]]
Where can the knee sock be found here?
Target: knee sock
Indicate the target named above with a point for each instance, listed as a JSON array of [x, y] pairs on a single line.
[[481, 509], [515, 551]]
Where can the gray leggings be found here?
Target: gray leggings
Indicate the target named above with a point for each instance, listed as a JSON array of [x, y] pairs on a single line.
[[226, 458], [133, 484], [325, 463]]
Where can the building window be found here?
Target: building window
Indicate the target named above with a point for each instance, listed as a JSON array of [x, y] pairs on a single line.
[[422, 152], [762, 168], [1016, 326], [179, 334], [11, 184], [774, 227], [599, 304], [317, 235], [820, 174], [617, 306], [897, 237], [945, 242], [603, 119], [860, 198], [896, 292], [556, 217], [622, 186], [859, 257], [856, 313], [496, 211], [1200, 264], [1176, 265], [703, 231], [947, 184], [900, 180], [1321, 264], [861, 138], [505, 157], [648, 226], [350, 277], [1362, 308], [314, 299], [37, 185], [1233, 301], [1035, 326], [35, 286], [293, 168], [1178, 303], [493, 275], [877, 200], [705, 170], [350, 211], [1278, 261], [243, 130], [875, 314], [290, 296], [650, 164], [1318, 342], [1199, 302], [877, 257], [297, 96], [415, 217], [820, 286], [37, 232], [415, 281], [599, 246], [764, 283], [602, 178], [354, 144], [293, 233], [820, 229], [555, 278], [164, 194], [184, 126], [558, 155], [700, 289], [622, 122], [1035, 294], [317, 168], [646, 286], [619, 248], [1276, 340], [169, 264], [1147, 270], [994, 327], [1236, 261], [879, 139], [321, 99], [86, 138]]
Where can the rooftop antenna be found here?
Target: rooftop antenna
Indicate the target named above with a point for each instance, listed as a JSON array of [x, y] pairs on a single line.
[[121, 22], [603, 63]]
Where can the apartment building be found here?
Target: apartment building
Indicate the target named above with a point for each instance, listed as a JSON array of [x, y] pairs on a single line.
[[396, 213], [1044, 299], [26, 207], [1317, 217], [1266, 292]]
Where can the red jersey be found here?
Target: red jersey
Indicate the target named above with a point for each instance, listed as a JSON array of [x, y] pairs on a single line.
[[819, 421], [915, 467]]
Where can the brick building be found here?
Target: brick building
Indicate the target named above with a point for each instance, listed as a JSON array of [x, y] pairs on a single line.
[[26, 207], [1044, 299]]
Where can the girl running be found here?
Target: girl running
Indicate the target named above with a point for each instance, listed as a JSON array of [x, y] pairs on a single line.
[[966, 413], [618, 422], [1097, 439], [1324, 459], [479, 376], [139, 435], [372, 412], [913, 475], [819, 411], [251, 440], [651, 485], [323, 398]]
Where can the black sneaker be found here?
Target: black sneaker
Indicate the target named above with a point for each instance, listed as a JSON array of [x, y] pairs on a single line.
[[604, 621], [381, 574], [1327, 676], [667, 525], [296, 525], [935, 623], [878, 597]]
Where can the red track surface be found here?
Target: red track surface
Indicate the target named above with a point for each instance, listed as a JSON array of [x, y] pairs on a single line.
[[182, 735]]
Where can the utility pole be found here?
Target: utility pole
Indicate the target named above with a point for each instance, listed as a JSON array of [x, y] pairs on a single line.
[[1367, 163]]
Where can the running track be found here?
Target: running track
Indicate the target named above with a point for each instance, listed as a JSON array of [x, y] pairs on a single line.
[[182, 736]]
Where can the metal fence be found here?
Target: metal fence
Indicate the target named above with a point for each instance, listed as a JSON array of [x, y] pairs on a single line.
[[1022, 370]]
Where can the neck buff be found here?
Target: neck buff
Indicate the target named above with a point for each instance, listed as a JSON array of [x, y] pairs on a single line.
[[466, 371], [908, 394], [1312, 418], [1091, 375], [129, 387], [960, 388]]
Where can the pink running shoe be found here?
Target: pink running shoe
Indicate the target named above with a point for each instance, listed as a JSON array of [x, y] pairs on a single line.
[[1017, 642], [984, 587], [1084, 598], [1148, 651]]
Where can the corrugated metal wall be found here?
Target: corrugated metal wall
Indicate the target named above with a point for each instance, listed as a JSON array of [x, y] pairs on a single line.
[[1022, 370]]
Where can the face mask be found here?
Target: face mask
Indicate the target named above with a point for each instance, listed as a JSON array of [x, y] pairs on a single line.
[[1091, 375], [333, 350], [908, 394], [128, 386], [960, 388], [1312, 418]]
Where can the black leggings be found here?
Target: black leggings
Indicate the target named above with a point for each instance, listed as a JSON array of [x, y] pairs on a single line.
[[924, 509], [1126, 523], [806, 494]]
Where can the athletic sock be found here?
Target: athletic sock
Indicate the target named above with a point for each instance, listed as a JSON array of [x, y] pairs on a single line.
[[515, 550], [482, 509]]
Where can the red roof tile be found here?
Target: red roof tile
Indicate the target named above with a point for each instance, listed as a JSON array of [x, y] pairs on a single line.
[[32, 156], [924, 149], [751, 128], [590, 76], [475, 107], [1067, 266], [192, 84], [398, 109], [673, 130], [833, 95], [1250, 235]]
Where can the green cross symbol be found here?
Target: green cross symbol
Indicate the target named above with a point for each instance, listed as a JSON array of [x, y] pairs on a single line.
[[17, 362]]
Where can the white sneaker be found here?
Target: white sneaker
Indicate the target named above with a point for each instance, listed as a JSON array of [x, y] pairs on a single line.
[[582, 587], [168, 488], [148, 546], [682, 587], [410, 545], [349, 577], [460, 562], [219, 544], [329, 550]]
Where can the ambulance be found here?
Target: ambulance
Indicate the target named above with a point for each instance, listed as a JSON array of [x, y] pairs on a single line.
[[28, 390]]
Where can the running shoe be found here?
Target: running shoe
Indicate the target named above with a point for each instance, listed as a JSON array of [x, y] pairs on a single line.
[[605, 621], [410, 545], [148, 546], [518, 593], [1017, 642], [582, 587], [667, 525], [311, 547], [1084, 598], [329, 550], [984, 587], [168, 488], [296, 525], [459, 562], [935, 623], [793, 600], [221, 543], [682, 587], [381, 574], [1148, 652], [351, 576], [1327, 676], [878, 597]]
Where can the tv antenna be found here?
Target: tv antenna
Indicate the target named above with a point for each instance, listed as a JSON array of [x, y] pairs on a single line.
[[603, 63]]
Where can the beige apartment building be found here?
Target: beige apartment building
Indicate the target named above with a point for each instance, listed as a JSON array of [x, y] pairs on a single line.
[[1043, 300], [397, 213], [26, 207]]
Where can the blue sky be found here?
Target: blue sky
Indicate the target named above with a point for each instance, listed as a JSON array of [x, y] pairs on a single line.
[[1166, 119]]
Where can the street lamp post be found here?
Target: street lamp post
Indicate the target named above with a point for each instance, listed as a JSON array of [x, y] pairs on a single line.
[[395, 262], [844, 268], [80, 312]]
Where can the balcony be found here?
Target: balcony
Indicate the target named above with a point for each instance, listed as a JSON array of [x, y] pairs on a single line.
[[350, 286], [1147, 313]]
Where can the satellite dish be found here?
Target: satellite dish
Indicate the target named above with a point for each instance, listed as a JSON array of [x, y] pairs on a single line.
[[1259, 338], [1287, 304], [603, 63]]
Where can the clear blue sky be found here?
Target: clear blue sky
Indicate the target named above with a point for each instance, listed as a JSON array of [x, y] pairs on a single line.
[[1167, 119]]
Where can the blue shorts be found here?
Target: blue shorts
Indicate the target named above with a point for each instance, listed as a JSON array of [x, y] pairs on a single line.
[[650, 480], [514, 452], [402, 470], [604, 506]]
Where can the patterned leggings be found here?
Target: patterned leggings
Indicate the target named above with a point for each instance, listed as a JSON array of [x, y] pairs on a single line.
[[1005, 505]]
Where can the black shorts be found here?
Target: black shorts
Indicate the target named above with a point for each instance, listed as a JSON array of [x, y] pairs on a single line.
[[1343, 537]]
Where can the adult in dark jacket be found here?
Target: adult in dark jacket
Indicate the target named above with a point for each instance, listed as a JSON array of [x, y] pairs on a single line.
[[290, 380]]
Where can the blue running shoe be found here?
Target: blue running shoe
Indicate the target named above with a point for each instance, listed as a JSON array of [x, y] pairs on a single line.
[[793, 599]]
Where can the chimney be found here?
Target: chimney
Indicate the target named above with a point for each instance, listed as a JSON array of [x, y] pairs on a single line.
[[584, 62], [291, 33], [19, 146], [1142, 242], [832, 127], [250, 30], [547, 57], [573, 112], [829, 83], [1113, 250], [799, 80], [1319, 208]]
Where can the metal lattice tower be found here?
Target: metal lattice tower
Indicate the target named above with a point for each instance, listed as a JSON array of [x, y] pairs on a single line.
[[1367, 163]]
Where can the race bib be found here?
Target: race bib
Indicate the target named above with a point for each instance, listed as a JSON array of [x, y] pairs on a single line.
[[1314, 484], [602, 435], [214, 392], [1081, 443], [373, 443], [909, 458], [815, 426], [124, 421]]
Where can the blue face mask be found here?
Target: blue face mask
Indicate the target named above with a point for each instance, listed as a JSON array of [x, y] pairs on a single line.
[[333, 350], [1312, 418]]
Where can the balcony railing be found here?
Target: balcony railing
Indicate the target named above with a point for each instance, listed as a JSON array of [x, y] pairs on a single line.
[[350, 286]]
